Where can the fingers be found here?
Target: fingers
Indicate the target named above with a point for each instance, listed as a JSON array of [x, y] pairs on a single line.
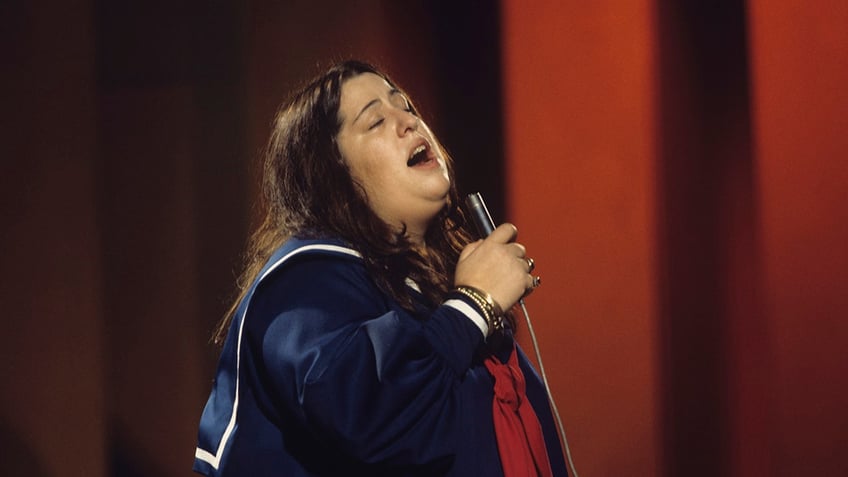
[[503, 238], [531, 264], [498, 265], [535, 281], [469, 249], [505, 233]]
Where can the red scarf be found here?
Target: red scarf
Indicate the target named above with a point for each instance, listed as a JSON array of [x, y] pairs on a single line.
[[517, 429]]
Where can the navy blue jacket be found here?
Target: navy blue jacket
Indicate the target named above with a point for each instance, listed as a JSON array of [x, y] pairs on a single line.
[[322, 374]]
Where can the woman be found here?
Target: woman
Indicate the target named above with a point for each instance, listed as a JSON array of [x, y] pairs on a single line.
[[369, 339]]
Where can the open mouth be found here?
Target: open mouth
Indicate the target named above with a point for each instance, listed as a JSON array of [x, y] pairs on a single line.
[[419, 156]]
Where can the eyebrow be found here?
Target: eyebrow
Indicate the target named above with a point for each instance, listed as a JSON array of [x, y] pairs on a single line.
[[373, 102], [370, 103]]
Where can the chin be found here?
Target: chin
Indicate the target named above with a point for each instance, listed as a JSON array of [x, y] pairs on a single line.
[[443, 189], [441, 197]]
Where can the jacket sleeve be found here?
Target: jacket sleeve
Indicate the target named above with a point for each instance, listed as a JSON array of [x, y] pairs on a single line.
[[362, 375]]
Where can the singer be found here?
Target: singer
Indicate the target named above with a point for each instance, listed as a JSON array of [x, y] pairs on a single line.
[[372, 335]]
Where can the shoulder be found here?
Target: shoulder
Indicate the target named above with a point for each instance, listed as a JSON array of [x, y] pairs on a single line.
[[298, 248], [320, 253], [314, 272]]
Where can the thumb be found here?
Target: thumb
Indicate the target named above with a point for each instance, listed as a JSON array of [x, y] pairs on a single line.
[[469, 249], [505, 233]]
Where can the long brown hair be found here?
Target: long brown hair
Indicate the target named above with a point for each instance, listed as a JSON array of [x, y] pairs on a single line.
[[308, 191]]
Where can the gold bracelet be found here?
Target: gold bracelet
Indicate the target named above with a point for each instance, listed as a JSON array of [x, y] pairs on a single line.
[[479, 301], [492, 312]]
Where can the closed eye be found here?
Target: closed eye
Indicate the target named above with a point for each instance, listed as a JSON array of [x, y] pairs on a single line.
[[376, 124], [399, 100]]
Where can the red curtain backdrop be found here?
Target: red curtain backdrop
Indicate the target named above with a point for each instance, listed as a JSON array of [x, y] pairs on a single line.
[[800, 105], [679, 173], [580, 152]]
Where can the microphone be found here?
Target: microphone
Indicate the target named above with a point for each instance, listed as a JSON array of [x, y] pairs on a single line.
[[476, 207]]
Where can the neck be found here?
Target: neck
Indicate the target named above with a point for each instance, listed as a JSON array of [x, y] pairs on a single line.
[[416, 233], [416, 239]]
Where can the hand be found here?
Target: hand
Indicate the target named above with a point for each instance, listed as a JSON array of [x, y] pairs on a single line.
[[496, 265]]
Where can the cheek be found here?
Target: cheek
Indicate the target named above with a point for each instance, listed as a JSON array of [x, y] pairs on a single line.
[[379, 182], [352, 158], [369, 165], [368, 174]]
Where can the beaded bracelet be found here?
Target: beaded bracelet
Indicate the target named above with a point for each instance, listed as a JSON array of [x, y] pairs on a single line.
[[492, 312]]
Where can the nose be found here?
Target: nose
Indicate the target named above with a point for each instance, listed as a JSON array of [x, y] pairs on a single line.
[[407, 122]]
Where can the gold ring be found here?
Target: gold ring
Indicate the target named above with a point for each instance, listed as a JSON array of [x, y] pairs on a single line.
[[531, 264], [537, 280]]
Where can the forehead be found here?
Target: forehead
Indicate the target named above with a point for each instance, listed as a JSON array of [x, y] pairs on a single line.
[[360, 90]]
